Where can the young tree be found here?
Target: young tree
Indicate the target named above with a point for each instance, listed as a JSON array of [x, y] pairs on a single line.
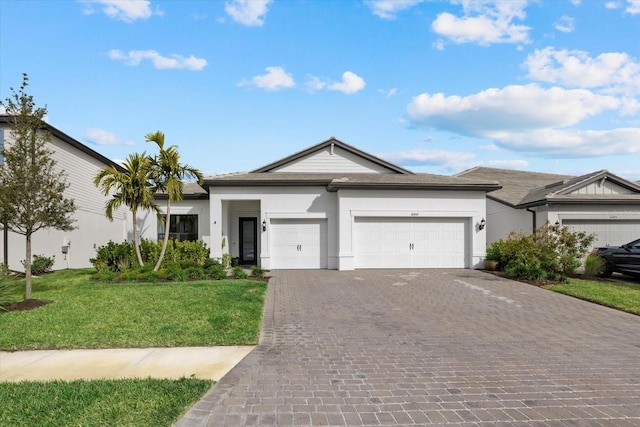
[[31, 185], [131, 188], [168, 177]]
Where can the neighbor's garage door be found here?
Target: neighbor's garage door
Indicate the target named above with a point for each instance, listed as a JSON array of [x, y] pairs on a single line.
[[410, 242], [607, 232], [298, 243]]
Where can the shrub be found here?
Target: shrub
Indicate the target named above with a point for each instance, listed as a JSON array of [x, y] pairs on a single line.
[[239, 273], [216, 272], [550, 253], [105, 275], [195, 273], [120, 257], [177, 274], [114, 256], [40, 264], [257, 271], [226, 260], [594, 265]]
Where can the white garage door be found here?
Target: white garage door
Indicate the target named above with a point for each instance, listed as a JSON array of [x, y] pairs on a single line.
[[298, 243], [607, 232], [410, 242]]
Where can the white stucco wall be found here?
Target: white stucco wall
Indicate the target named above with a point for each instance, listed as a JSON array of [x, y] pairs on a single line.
[[274, 203], [92, 226], [503, 219]]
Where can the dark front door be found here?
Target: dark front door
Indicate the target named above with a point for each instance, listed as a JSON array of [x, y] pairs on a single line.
[[248, 241]]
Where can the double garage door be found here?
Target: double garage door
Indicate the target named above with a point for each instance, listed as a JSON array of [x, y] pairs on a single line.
[[410, 242], [379, 242], [608, 232]]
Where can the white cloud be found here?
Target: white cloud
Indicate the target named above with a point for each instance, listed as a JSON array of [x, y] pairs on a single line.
[[388, 9], [134, 57], [633, 7], [612, 5], [350, 84], [103, 137], [511, 108], [454, 160], [612, 71], [122, 10], [315, 83], [531, 119], [572, 143], [247, 12], [275, 78], [566, 24], [484, 22], [490, 147]]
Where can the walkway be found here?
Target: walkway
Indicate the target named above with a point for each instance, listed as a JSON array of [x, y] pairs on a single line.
[[457, 347], [200, 362]]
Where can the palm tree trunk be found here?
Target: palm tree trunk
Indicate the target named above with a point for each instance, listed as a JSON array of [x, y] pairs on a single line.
[[166, 236], [27, 268], [136, 243]]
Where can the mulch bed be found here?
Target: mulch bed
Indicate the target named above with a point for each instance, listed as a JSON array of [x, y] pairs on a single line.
[[28, 304], [530, 282]]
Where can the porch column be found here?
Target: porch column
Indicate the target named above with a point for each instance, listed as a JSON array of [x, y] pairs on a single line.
[[215, 218]]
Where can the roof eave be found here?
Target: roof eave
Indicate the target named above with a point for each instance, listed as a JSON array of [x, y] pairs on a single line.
[[335, 186], [74, 143]]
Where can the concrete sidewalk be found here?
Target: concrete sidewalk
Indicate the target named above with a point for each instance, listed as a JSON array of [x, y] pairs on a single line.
[[200, 362]]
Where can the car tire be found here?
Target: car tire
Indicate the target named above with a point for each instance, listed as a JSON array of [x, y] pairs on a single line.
[[607, 271]]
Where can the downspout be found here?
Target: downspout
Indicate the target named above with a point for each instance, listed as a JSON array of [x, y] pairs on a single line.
[[535, 225]]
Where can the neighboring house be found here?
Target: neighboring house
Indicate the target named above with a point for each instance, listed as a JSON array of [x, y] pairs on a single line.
[[600, 203], [72, 249], [334, 206]]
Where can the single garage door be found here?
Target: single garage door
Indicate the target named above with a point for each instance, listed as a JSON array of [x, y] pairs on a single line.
[[608, 232], [298, 243], [410, 242]]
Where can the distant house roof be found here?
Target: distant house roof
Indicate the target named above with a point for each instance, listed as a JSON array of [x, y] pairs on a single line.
[[524, 189], [6, 119], [190, 191], [336, 143]]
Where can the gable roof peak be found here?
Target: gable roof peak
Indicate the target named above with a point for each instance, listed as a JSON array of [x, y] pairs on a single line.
[[332, 142]]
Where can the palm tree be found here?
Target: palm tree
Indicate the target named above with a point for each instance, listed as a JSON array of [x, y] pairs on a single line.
[[131, 188], [168, 177]]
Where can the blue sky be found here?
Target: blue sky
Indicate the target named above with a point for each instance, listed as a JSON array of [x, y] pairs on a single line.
[[433, 86]]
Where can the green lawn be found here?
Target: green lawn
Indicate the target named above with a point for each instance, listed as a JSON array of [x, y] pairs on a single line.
[[622, 296], [90, 314], [131, 402]]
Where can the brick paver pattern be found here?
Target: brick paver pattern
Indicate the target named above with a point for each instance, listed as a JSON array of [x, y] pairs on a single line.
[[429, 347]]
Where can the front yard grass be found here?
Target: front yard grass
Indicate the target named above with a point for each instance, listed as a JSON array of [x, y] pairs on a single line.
[[129, 402], [90, 314], [621, 296]]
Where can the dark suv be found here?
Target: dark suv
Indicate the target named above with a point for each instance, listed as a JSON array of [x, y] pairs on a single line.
[[624, 259]]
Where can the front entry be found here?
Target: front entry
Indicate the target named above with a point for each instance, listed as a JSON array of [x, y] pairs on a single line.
[[248, 241]]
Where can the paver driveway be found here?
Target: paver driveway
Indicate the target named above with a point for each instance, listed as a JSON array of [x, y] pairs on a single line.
[[403, 347]]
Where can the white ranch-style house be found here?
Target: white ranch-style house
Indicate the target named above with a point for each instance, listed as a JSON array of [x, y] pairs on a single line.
[[337, 207]]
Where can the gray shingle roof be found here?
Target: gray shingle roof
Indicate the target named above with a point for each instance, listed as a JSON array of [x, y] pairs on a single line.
[[516, 185], [523, 189]]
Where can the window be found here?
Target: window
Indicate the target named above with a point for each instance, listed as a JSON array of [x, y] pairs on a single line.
[[182, 227]]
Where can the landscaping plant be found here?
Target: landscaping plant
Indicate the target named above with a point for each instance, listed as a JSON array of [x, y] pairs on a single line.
[[550, 253]]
